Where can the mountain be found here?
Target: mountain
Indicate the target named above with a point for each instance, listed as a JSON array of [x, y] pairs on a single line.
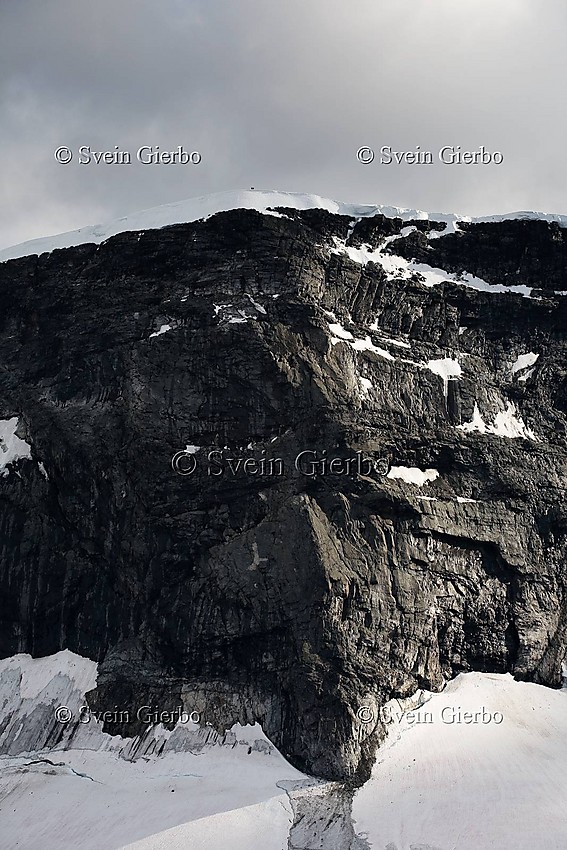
[[194, 209], [372, 404]]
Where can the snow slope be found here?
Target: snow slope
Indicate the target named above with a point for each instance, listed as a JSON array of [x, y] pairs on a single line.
[[472, 786], [438, 785], [199, 208], [264, 826], [98, 801], [85, 791]]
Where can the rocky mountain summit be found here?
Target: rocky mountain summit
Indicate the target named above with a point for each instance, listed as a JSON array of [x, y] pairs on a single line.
[[283, 466]]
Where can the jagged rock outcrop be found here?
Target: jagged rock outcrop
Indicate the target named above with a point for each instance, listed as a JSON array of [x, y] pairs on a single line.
[[300, 601]]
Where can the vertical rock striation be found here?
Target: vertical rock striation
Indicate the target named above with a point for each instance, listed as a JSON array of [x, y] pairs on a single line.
[[264, 592]]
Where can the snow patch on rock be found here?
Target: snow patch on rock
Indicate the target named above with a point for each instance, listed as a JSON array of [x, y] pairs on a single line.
[[447, 368], [365, 386], [523, 361], [339, 333], [162, 330], [12, 447], [508, 423], [413, 475]]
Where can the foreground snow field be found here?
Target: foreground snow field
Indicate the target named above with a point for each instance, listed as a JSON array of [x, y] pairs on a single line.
[[86, 793], [442, 781], [82, 799], [472, 786]]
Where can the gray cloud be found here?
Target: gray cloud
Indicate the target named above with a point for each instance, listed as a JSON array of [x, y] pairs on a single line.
[[278, 95]]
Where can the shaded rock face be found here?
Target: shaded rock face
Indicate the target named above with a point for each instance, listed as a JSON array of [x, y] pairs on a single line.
[[300, 601]]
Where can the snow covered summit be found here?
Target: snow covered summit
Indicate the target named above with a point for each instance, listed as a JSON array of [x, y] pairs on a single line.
[[194, 209]]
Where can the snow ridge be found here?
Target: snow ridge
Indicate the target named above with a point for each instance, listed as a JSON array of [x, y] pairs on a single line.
[[203, 207]]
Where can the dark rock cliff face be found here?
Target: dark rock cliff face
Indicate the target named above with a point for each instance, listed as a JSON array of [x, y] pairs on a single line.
[[303, 602]]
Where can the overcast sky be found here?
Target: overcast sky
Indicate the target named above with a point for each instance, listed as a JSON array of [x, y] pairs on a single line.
[[278, 95]]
